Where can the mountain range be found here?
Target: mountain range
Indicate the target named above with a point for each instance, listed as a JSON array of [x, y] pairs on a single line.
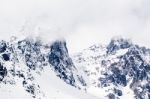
[[32, 69]]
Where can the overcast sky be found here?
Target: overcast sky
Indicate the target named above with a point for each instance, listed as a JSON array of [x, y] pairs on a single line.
[[81, 22]]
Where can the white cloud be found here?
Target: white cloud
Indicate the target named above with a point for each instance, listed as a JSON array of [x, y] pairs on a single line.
[[81, 22]]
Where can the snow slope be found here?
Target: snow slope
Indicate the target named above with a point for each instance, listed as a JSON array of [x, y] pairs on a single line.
[[51, 86], [30, 69]]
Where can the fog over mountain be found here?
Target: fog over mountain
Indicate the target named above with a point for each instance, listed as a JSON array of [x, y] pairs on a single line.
[[74, 49], [99, 20]]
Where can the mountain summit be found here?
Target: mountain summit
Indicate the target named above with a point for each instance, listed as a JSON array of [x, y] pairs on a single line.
[[119, 70], [28, 65]]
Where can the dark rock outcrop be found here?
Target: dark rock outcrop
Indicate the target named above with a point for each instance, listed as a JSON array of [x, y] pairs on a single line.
[[61, 62]]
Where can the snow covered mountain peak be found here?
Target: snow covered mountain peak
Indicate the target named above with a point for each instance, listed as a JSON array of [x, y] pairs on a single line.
[[119, 70], [34, 69], [118, 43], [63, 65], [24, 62]]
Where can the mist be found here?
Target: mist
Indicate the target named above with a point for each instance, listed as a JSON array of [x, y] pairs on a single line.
[[81, 22]]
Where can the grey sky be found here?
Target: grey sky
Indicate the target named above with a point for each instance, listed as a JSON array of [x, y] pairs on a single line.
[[81, 22]]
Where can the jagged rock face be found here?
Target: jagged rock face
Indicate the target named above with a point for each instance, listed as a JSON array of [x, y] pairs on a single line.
[[18, 60], [21, 59], [63, 65], [3, 72], [2, 46], [123, 65], [131, 67], [59, 53], [117, 44], [61, 61], [31, 50]]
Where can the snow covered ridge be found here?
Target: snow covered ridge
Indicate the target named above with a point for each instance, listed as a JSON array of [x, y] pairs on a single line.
[[21, 61], [119, 70], [32, 69]]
